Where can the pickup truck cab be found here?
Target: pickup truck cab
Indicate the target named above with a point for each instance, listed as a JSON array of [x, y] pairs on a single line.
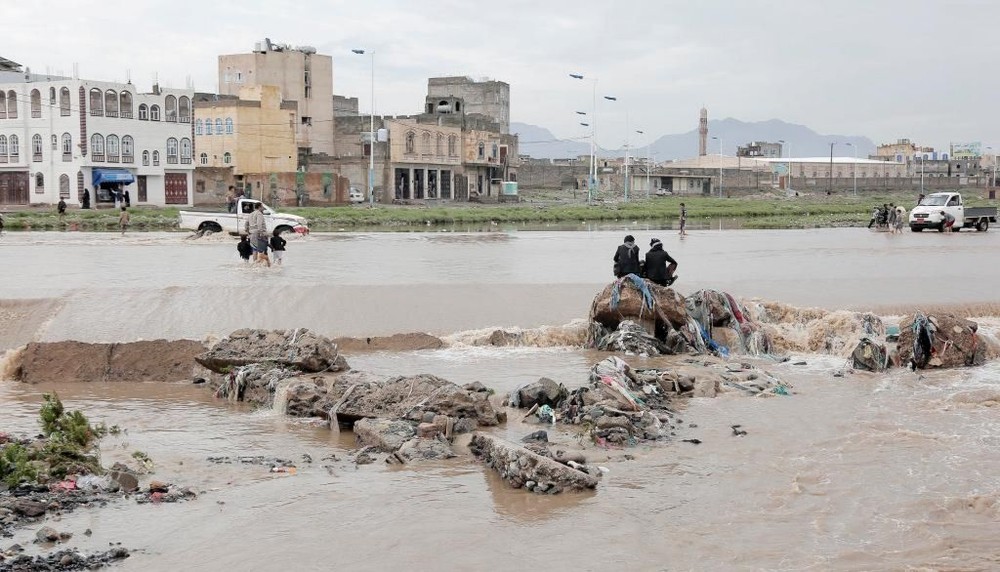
[[928, 213], [235, 223]]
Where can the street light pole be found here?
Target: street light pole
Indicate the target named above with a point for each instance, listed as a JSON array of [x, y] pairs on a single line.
[[719, 139], [371, 133], [640, 132], [855, 147], [593, 136], [830, 190]]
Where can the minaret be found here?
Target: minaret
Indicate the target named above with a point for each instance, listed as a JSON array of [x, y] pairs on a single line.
[[703, 133]]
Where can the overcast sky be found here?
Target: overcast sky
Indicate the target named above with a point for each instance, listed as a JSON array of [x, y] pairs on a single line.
[[923, 69]]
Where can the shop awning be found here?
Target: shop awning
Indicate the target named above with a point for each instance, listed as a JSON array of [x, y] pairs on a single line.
[[122, 176]]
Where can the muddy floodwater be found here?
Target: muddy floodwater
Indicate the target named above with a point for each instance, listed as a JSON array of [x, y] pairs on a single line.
[[859, 472]]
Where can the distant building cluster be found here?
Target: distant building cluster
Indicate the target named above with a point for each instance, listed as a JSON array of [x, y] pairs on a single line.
[[275, 130]]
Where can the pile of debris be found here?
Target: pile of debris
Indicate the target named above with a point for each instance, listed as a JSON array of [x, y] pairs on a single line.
[[938, 341], [635, 316], [524, 468]]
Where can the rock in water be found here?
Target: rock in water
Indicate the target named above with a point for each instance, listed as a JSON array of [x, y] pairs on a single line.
[[940, 340], [299, 348], [386, 435], [542, 392], [519, 466]]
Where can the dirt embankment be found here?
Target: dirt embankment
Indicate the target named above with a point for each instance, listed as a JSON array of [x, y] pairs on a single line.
[[157, 360], [393, 343]]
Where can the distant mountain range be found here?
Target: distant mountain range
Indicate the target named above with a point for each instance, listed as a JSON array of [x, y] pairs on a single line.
[[540, 143]]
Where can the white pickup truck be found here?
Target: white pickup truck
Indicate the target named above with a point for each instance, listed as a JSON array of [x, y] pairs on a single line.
[[928, 213], [234, 223]]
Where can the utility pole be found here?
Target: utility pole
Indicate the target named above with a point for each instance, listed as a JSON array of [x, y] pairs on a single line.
[[830, 190]]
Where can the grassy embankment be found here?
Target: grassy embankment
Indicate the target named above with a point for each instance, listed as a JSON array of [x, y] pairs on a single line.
[[756, 212]]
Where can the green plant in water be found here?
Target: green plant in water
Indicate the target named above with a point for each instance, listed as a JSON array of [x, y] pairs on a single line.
[[70, 428], [16, 466]]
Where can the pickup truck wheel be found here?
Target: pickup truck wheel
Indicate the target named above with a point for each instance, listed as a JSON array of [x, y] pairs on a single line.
[[284, 228], [956, 228], [983, 225], [940, 227], [209, 226], [916, 228]]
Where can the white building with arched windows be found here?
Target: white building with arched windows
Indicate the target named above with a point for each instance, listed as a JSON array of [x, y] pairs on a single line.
[[64, 137]]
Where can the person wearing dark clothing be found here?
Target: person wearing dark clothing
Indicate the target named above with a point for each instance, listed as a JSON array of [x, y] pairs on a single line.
[[660, 266], [627, 258], [86, 199], [244, 248], [128, 199], [277, 246]]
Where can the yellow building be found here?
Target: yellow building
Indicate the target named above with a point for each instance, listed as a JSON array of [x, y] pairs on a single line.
[[251, 133]]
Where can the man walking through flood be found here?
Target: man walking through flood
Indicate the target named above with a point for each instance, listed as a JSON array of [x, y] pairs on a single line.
[[627, 258], [657, 269], [257, 229]]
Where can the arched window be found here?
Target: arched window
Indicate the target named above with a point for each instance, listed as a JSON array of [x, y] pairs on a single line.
[[203, 158], [154, 113], [171, 151], [111, 103], [15, 148], [184, 108], [3, 104], [170, 108], [145, 158], [411, 142], [452, 145], [229, 126], [495, 151], [52, 96], [186, 151], [11, 105], [64, 102], [425, 143], [439, 147], [126, 104], [208, 126], [3, 148], [64, 186], [143, 112], [156, 158], [36, 147], [227, 158], [39, 182], [111, 144], [482, 150], [67, 146], [97, 146], [218, 126], [96, 102], [55, 142], [128, 149], [36, 103], [198, 129]]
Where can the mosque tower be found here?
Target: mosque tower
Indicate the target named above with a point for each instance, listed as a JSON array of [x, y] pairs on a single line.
[[703, 133]]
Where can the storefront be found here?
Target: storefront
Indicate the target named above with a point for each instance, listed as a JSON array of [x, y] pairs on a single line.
[[108, 181]]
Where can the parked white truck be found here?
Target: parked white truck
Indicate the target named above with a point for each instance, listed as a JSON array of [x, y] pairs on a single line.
[[928, 213], [235, 223]]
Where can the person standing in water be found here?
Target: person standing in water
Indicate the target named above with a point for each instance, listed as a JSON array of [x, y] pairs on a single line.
[[278, 247], [123, 220], [683, 220]]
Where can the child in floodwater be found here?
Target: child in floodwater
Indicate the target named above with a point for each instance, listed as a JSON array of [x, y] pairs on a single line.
[[277, 246], [123, 220], [244, 248]]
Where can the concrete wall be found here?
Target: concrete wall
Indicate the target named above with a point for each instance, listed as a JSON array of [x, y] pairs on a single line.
[[490, 98]]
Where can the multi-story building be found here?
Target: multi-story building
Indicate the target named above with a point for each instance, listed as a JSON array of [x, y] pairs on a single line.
[[239, 136], [462, 94], [424, 159], [301, 74], [62, 137]]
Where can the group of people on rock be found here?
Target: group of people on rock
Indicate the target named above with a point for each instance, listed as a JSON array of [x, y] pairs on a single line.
[[658, 266], [255, 241]]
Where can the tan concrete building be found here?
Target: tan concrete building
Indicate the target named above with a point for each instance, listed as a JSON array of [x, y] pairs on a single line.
[[424, 159], [252, 133], [301, 74]]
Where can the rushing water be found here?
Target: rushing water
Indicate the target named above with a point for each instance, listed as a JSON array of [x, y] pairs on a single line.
[[864, 471]]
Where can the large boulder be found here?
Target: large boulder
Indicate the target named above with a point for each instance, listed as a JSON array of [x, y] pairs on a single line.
[[542, 392], [521, 467], [299, 348], [386, 435], [940, 341], [640, 301]]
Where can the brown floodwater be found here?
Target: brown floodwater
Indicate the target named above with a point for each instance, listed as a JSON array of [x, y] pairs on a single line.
[[861, 472]]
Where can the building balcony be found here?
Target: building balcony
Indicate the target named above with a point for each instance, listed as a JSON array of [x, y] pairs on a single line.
[[3, 158], [171, 117], [14, 158], [185, 119], [97, 157], [67, 157], [64, 112], [36, 157], [112, 158], [110, 114], [126, 115], [36, 113], [128, 159], [171, 160], [185, 160], [97, 112]]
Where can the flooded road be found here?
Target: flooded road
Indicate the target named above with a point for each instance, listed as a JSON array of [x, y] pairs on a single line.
[[859, 472]]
